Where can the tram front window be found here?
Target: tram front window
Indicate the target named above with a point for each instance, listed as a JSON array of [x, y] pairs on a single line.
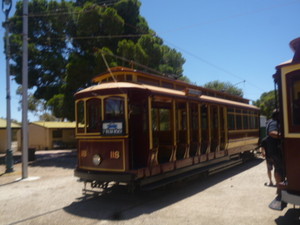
[[93, 107], [114, 108], [80, 117]]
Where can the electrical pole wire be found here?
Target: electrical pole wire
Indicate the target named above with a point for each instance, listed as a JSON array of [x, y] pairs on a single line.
[[24, 92], [6, 7]]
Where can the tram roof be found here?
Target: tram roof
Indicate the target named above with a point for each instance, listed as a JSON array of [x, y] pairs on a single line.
[[295, 46], [115, 73], [161, 91]]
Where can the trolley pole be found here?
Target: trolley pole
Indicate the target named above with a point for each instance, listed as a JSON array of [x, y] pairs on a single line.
[[24, 92], [6, 7]]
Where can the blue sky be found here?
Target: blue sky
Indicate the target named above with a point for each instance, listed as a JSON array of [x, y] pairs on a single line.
[[230, 41]]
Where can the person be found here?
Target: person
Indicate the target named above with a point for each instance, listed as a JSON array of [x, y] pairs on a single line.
[[273, 148], [269, 162]]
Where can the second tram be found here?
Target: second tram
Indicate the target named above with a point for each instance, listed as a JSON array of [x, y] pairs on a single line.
[[142, 129], [287, 80]]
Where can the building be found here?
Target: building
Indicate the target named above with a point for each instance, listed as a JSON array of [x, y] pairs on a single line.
[[16, 136], [52, 135]]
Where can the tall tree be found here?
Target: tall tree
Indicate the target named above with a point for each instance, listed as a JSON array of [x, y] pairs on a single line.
[[68, 39], [225, 87], [266, 103]]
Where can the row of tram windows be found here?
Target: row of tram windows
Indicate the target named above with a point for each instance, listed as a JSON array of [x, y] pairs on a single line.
[[197, 128], [90, 114], [201, 127], [239, 119]]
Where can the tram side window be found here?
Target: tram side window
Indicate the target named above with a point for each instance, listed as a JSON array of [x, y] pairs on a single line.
[[182, 117], [93, 115], [231, 119], [114, 108], [295, 96], [238, 117], [245, 119], [80, 123], [161, 119], [165, 123], [252, 120]]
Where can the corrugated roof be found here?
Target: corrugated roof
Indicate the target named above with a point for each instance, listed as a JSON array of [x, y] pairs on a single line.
[[3, 124], [55, 124]]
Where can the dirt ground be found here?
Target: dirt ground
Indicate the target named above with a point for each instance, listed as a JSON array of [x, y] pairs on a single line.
[[52, 195]]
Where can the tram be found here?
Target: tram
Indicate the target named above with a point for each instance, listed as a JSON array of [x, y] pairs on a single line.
[[287, 80], [142, 130]]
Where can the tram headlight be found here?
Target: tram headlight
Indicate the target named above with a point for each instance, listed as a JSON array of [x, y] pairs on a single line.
[[97, 160]]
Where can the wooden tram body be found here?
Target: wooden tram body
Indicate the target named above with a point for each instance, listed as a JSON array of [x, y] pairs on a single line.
[[287, 79], [140, 129]]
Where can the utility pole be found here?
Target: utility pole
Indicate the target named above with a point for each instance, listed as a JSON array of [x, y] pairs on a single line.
[[6, 7], [24, 92]]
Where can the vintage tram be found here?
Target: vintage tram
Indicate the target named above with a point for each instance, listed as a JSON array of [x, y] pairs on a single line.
[[287, 80], [141, 129]]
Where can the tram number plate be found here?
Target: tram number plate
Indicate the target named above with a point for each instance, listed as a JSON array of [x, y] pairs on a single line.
[[112, 128]]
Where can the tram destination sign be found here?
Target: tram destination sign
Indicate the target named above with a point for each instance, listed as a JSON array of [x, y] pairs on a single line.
[[113, 128]]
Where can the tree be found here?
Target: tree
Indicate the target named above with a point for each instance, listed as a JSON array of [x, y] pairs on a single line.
[[266, 103], [67, 41], [225, 87]]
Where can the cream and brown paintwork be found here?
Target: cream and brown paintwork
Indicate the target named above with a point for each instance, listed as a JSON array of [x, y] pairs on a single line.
[[290, 130], [147, 153]]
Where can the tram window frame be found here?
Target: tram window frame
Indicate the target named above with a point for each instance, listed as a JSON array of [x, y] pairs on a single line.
[[252, 123], [194, 116], [293, 95], [93, 117], [239, 120], [245, 119], [120, 115], [80, 119], [164, 119], [231, 118], [181, 116], [204, 118], [161, 121]]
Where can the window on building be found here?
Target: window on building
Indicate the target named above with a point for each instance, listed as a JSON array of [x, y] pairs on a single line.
[[57, 134]]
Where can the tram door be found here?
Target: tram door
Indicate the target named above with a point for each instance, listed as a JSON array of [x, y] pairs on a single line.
[[138, 133]]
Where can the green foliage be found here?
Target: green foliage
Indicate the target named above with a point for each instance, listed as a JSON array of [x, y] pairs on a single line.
[[225, 87], [56, 105], [266, 103], [48, 117], [185, 79], [67, 40]]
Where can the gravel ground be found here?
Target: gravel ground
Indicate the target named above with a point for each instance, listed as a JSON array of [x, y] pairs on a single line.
[[52, 195]]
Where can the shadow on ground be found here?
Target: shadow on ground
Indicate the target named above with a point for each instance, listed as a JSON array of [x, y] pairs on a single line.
[[118, 204], [64, 159], [291, 217]]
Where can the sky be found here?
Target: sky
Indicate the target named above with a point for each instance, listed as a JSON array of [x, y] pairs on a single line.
[[236, 41]]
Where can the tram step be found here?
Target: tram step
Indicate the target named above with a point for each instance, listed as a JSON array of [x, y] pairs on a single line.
[[208, 170]]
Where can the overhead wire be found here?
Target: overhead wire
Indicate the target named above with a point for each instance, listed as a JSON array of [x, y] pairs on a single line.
[[55, 13], [133, 63]]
